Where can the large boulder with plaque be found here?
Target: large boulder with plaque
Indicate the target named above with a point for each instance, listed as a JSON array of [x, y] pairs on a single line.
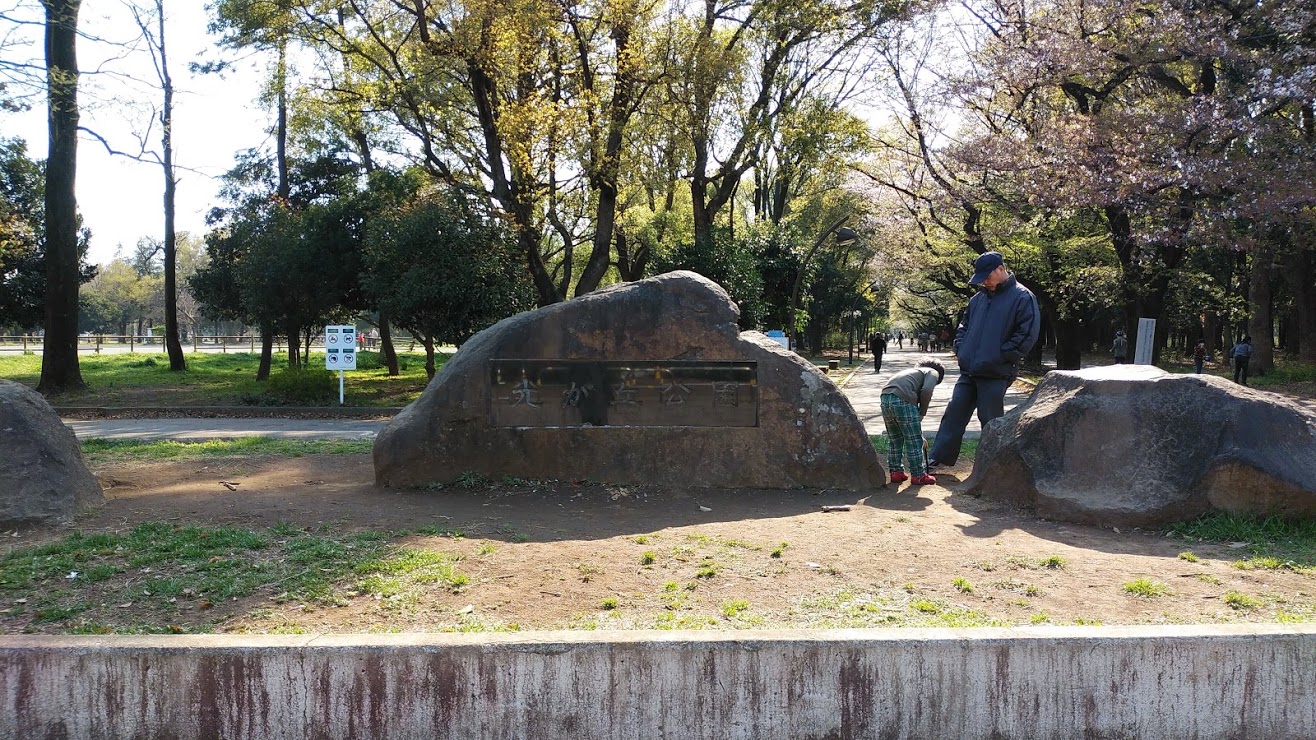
[[650, 382], [1133, 445], [43, 479]]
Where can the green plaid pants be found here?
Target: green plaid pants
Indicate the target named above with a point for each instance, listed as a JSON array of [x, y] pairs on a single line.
[[904, 435]]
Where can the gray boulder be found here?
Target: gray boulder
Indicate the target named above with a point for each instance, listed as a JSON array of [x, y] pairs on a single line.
[[648, 382], [43, 479], [1134, 445]]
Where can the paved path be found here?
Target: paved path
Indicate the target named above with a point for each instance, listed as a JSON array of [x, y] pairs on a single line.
[[864, 390]]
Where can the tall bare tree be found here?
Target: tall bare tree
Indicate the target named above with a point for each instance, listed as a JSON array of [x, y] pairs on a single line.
[[59, 360]]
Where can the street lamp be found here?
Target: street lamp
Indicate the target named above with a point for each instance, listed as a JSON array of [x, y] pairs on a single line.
[[854, 313], [844, 237]]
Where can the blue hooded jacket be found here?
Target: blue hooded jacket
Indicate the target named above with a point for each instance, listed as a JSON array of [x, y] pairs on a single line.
[[999, 328]]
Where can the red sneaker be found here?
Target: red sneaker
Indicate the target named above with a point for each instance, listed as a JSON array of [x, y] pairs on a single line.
[[925, 480], [899, 477]]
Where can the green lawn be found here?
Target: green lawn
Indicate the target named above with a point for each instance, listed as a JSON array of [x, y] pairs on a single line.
[[214, 379], [121, 450]]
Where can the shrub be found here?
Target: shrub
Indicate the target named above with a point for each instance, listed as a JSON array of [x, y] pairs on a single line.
[[308, 386]]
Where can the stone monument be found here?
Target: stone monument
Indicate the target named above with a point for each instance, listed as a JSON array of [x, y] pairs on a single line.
[[1133, 445], [43, 479], [650, 382]]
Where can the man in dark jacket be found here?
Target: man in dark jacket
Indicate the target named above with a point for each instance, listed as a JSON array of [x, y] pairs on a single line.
[[999, 328], [877, 345]]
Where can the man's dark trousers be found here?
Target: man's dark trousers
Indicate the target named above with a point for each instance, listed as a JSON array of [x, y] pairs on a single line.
[[987, 395], [1240, 368]]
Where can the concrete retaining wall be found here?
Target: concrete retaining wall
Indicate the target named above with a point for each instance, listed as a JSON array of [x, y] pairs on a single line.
[[1145, 682]]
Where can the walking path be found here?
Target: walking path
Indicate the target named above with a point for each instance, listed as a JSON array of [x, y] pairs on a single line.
[[864, 391]]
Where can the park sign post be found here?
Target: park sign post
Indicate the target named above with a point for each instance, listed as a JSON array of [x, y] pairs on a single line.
[[1142, 351], [340, 351]]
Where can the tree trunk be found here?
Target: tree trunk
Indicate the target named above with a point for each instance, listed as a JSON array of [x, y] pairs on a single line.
[[294, 347], [177, 361], [1210, 328], [1069, 343], [429, 357], [1300, 273], [386, 346], [59, 359], [606, 170], [266, 354], [1259, 306]]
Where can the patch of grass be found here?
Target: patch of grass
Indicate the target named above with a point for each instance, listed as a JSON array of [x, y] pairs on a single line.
[[1040, 618], [963, 585], [588, 571], [707, 569], [123, 450], [968, 448], [610, 603], [434, 530], [1241, 601], [1188, 556], [648, 558], [734, 607], [1288, 540], [640, 539], [216, 379], [1145, 588], [1031, 590], [1266, 562], [471, 479], [1207, 578], [1051, 562], [163, 571], [486, 549], [778, 550]]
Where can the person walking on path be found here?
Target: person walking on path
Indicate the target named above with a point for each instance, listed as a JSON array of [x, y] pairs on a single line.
[[1120, 349], [1000, 327], [1242, 355], [1199, 356], [905, 402], [877, 345]]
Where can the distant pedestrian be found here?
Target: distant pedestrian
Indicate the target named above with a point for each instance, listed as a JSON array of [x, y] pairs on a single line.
[[900, 339], [905, 401], [1120, 349], [999, 328], [1199, 356], [1241, 354], [877, 345]]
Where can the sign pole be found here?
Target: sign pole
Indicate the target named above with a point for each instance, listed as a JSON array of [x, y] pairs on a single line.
[[340, 387]]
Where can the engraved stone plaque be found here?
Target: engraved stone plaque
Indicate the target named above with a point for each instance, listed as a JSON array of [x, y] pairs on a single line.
[[566, 393]]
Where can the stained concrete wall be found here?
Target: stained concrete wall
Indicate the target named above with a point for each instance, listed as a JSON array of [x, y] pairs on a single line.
[[1146, 682]]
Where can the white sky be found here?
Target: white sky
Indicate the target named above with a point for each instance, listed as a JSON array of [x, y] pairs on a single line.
[[214, 118]]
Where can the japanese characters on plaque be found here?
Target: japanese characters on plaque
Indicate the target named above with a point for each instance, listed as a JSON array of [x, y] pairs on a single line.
[[551, 393]]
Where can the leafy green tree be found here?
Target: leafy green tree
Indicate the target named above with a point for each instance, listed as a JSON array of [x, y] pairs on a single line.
[[445, 267], [22, 239], [729, 262]]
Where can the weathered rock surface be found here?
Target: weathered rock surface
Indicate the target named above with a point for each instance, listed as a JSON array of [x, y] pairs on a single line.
[[1134, 445], [43, 479], [780, 424]]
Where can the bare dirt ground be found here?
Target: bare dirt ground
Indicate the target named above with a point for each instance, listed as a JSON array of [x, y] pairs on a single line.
[[563, 555]]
